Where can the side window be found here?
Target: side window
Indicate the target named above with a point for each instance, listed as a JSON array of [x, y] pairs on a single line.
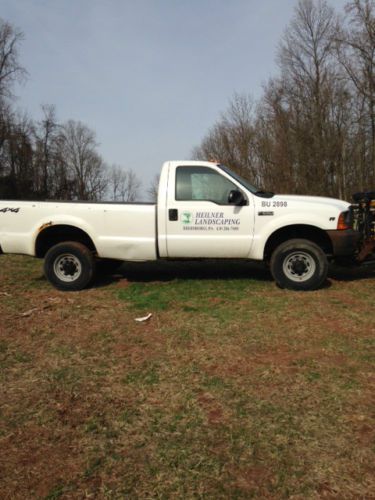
[[202, 183]]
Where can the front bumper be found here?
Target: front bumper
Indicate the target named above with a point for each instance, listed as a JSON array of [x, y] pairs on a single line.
[[344, 242]]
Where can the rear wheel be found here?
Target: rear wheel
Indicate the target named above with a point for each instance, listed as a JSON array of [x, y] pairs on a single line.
[[69, 266], [299, 265]]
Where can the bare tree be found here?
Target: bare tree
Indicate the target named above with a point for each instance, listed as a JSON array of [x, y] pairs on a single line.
[[275, 139], [85, 169], [231, 140], [123, 184], [46, 134], [154, 188], [355, 44], [15, 144], [307, 72], [10, 68], [6, 117], [17, 179]]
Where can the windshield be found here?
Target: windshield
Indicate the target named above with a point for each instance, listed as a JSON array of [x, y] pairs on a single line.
[[238, 178]]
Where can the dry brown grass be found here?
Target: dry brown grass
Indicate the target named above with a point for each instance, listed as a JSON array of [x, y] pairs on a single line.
[[234, 388]]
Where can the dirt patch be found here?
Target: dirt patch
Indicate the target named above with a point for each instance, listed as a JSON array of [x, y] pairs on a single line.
[[253, 480], [122, 283], [35, 461], [212, 409]]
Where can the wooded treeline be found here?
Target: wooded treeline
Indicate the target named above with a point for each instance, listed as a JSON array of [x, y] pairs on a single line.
[[47, 159], [313, 129]]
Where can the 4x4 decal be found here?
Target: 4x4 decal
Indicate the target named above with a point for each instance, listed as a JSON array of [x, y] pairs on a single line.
[[8, 209]]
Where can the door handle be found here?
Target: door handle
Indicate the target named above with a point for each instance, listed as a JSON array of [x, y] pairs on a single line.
[[173, 214]]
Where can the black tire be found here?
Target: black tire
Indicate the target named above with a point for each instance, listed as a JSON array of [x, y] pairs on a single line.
[[299, 265], [69, 266], [108, 266]]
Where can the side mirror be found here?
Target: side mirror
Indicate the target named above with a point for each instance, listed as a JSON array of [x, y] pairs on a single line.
[[235, 197]]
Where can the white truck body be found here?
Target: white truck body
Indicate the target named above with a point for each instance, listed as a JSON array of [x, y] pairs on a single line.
[[120, 231], [176, 227]]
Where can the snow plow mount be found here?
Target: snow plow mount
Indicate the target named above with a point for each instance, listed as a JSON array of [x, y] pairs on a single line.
[[363, 220]]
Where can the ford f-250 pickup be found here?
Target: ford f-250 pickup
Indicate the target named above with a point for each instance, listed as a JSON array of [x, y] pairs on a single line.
[[203, 211]]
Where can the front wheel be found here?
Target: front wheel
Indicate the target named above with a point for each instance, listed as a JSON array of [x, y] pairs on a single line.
[[299, 265], [69, 266]]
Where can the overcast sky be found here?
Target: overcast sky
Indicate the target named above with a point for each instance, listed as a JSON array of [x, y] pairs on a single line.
[[149, 76]]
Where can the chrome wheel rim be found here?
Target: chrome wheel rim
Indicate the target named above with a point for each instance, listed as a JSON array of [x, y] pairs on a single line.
[[67, 267], [299, 266]]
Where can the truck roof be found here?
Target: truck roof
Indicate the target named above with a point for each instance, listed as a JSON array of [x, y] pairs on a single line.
[[193, 163]]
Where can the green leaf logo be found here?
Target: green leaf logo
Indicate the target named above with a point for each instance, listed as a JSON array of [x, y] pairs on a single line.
[[186, 217]]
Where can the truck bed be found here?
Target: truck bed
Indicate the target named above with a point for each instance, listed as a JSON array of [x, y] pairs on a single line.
[[125, 231]]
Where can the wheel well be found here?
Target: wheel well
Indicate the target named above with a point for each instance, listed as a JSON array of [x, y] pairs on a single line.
[[303, 231], [59, 233]]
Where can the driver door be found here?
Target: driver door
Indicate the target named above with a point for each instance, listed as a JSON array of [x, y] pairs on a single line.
[[201, 223]]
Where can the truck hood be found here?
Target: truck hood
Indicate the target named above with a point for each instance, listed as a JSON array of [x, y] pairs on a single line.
[[313, 200]]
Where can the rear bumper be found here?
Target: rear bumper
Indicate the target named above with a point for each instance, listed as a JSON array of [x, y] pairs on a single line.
[[344, 242]]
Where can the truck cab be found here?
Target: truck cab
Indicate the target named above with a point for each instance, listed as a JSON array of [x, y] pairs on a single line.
[[205, 210]]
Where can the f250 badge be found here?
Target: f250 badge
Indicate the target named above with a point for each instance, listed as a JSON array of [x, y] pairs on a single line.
[[8, 209]]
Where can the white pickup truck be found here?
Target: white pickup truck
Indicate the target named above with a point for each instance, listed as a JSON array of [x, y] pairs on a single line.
[[203, 211]]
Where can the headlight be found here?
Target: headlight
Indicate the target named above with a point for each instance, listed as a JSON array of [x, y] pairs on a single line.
[[345, 221]]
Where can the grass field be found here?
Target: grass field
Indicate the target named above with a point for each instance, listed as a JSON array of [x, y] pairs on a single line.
[[233, 389]]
